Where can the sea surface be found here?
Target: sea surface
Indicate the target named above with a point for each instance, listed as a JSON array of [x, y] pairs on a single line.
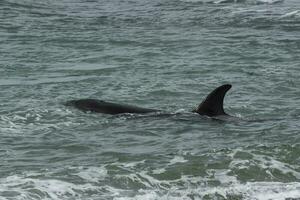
[[162, 54]]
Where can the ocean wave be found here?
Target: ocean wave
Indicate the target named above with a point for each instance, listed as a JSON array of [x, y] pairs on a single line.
[[295, 13], [274, 178], [237, 1], [32, 187]]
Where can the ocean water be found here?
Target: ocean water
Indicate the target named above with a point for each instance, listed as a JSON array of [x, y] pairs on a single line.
[[163, 54]]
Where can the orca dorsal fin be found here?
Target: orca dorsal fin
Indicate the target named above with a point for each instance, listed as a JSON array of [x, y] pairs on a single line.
[[213, 104]]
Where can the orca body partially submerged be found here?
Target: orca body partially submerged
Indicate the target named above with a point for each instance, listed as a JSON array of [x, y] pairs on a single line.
[[99, 106], [211, 106]]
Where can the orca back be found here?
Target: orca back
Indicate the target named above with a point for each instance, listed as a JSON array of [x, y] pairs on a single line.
[[94, 105]]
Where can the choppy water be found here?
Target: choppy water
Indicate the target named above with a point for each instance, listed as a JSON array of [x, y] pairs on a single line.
[[165, 54]]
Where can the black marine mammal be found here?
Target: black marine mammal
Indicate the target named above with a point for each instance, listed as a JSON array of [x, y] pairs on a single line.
[[211, 106], [99, 106]]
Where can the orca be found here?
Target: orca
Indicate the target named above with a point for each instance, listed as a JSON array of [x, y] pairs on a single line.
[[99, 106], [211, 106]]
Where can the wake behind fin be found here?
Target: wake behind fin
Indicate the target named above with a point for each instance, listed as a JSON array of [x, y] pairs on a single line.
[[213, 104]]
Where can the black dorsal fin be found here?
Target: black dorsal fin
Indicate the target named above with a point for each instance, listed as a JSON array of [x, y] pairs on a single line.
[[213, 104]]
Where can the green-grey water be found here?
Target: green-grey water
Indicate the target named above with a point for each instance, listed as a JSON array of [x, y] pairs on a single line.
[[163, 54]]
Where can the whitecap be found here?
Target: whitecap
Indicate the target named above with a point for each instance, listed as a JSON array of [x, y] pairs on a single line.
[[24, 187], [268, 1], [224, 1], [291, 14], [93, 174], [158, 171], [177, 159]]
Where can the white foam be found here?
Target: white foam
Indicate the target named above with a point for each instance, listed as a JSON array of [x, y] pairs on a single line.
[[195, 1], [224, 1], [267, 162], [216, 183], [177, 159], [264, 162], [266, 190], [93, 174], [148, 196], [269, 1], [249, 191], [52, 188], [18, 123], [180, 111], [159, 171], [133, 164], [186, 187], [221, 175], [291, 14]]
